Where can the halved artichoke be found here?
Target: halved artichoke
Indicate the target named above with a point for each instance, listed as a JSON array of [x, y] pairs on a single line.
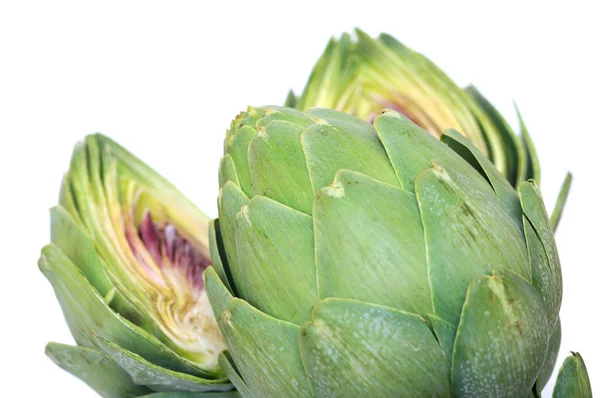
[[126, 261], [363, 76], [366, 75]]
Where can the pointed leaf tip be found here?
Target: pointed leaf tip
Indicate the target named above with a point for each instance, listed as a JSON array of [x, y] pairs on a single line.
[[573, 380], [561, 201]]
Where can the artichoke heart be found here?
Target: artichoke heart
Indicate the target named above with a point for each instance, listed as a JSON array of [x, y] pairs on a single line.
[[168, 266]]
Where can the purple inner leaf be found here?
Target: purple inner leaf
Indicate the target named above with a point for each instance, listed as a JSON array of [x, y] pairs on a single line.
[[169, 249]]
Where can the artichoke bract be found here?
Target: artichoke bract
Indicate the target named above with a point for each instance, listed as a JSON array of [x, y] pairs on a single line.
[[371, 259], [126, 262], [573, 380], [366, 75]]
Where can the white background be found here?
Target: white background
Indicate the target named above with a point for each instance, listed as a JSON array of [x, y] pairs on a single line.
[[165, 79]]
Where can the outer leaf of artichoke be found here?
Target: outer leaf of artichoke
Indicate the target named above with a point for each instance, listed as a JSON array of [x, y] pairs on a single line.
[[97, 369], [374, 257], [126, 262], [229, 394], [573, 380]]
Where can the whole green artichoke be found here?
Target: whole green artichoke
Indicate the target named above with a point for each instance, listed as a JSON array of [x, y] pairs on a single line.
[[126, 262], [358, 259]]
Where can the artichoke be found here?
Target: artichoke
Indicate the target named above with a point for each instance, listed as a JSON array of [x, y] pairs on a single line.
[[126, 262], [371, 259], [364, 76]]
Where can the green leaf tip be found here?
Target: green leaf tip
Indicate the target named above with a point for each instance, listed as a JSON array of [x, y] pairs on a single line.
[[573, 380], [561, 201]]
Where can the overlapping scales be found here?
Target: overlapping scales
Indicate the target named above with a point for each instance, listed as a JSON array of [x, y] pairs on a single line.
[[349, 251]]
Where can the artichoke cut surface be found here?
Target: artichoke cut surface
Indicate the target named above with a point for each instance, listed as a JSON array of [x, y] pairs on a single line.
[[126, 261], [362, 76]]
